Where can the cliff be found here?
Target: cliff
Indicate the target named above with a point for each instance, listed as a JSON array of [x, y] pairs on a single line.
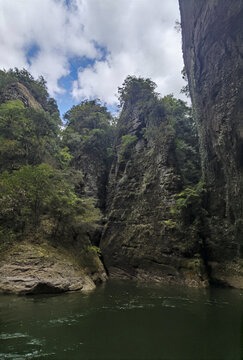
[[145, 236], [212, 46], [166, 209], [18, 91], [45, 227]]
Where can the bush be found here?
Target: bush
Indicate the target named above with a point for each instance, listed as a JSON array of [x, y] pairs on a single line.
[[126, 143], [34, 194]]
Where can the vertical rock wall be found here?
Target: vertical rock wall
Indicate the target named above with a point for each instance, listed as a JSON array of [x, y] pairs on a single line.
[[212, 34], [142, 239]]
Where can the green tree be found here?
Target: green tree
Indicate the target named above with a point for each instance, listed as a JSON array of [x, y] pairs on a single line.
[[89, 130], [126, 144], [27, 136], [136, 89], [164, 119], [179, 116], [37, 87], [185, 89], [34, 196]]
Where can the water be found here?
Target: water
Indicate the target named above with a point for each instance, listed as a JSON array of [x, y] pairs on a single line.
[[123, 320]]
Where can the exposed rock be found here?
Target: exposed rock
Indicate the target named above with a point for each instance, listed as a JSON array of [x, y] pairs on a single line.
[[33, 269], [140, 239], [18, 91], [212, 35], [95, 174]]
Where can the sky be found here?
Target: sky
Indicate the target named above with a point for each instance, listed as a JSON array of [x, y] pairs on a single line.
[[86, 48]]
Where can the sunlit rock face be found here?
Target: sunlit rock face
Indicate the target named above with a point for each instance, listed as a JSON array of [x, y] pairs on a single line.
[[18, 91], [212, 34]]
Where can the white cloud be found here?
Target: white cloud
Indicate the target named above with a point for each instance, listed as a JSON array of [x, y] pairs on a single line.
[[49, 24], [138, 36]]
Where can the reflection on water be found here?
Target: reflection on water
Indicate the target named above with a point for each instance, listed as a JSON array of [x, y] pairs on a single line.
[[123, 320]]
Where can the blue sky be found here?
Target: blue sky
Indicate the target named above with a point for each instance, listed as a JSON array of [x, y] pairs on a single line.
[[76, 64], [66, 100], [86, 48]]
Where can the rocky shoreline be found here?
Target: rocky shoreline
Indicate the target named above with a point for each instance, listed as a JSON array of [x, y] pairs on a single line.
[[35, 269]]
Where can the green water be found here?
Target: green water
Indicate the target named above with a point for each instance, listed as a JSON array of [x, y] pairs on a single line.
[[123, 320]]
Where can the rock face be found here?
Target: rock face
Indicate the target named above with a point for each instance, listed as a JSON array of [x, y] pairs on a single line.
[[35, 269], [95, 174], [212, 36], [18, 91], [141, 239]]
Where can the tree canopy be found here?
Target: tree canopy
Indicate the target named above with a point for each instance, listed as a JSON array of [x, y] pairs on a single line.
[[27, 136], [41, 181], [136, 89], [37, 200], [89, 128], [37, 87], [37, 195]]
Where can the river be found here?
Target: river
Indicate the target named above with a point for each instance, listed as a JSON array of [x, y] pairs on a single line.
[[123, 320]]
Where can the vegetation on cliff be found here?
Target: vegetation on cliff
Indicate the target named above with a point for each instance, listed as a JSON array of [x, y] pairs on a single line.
[[28, 136], [10, 79], [134, 186], [161, 117], [37, 195], [156, 163], [36, 202], [89, 128], [88, 137], [50, 177]]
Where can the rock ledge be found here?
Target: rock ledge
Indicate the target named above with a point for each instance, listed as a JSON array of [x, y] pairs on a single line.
[[37, 269]]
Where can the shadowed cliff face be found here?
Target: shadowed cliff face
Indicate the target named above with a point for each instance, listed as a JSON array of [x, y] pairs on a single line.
[[212, 34]]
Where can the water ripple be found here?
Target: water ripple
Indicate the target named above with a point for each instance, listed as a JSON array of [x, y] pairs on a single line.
[[5, 336]]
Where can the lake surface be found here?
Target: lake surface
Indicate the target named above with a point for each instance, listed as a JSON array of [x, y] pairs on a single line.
[[123, 320]]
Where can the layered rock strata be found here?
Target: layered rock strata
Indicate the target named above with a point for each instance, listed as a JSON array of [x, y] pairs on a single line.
[[34, 269]]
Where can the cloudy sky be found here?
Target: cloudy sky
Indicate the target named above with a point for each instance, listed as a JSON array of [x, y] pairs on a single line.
[[86, 48]]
